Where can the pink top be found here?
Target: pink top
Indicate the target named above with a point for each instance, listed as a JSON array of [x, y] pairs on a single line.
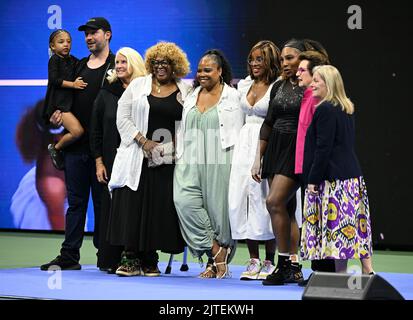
[[306, 115]]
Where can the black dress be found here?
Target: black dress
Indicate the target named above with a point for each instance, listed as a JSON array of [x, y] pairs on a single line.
[[146, 220], [280, 130], [104, 140], [59, 69]]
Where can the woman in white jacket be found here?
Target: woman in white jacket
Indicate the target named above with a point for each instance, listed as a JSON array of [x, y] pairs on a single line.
[[211, 122], [143, 217]]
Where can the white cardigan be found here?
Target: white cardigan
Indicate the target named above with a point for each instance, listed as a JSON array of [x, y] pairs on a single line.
[[132, 117], [230, 115]]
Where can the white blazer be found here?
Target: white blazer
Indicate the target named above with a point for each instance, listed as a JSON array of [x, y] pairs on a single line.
[[132, 117], [230, 115]]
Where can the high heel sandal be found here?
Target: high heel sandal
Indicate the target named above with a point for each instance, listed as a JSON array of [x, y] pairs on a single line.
[[226, 273], [209, 272]]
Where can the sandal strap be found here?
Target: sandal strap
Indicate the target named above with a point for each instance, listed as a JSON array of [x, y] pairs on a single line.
[[216, 255], [208, 269], [225, 263]]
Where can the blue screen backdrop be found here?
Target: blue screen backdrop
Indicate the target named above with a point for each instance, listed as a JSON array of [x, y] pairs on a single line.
[[26, 25]]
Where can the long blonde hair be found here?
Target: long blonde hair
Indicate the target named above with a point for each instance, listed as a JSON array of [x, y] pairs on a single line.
[[335, 88], [136, 65]]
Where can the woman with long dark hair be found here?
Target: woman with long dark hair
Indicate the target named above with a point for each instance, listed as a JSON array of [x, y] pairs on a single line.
[[248, 214]]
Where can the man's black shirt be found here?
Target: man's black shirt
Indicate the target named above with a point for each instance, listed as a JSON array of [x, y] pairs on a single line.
[[83, 101]]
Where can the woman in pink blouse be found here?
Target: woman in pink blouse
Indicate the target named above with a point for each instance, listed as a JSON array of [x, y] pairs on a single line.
[[309, 60]]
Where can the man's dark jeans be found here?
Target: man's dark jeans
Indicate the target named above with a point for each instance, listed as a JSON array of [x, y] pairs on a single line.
[[80, 176]]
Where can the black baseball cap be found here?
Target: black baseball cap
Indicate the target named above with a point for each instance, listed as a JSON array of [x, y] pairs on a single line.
[[96, 23]]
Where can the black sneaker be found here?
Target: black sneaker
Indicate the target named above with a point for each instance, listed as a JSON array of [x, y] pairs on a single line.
[[57, 157], [304, 283], [62, 263], [129, 267], [151, 271], [296, 275], [278, 277], [112, 270]]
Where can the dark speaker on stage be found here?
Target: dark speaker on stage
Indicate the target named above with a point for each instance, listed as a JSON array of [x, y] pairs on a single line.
[[341, 286]]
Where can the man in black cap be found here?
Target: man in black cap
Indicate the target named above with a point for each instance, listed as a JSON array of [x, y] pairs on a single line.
[[80, 170]]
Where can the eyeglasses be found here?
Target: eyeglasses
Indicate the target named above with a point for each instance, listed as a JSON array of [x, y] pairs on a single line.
[[258, 60], [301, 70], [160, 63]]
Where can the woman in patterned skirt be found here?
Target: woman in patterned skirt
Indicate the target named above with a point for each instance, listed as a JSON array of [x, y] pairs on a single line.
[[336, 208]]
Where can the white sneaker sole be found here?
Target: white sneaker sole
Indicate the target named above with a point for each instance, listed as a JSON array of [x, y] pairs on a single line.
[[128, 274]]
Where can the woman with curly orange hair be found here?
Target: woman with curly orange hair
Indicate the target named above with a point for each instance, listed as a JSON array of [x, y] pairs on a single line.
[[143, 218]]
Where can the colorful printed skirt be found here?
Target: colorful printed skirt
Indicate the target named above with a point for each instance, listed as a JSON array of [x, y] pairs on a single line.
[[336, 222]]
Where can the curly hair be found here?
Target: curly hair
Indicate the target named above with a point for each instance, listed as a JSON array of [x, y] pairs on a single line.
[[271, 54], [170, 51], [222, 62], [32, 133]]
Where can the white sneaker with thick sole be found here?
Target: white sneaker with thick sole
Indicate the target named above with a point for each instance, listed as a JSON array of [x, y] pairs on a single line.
[[253, 270], [267, 269]]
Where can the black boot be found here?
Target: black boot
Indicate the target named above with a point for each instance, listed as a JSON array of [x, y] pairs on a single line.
[[61, 262], [281, 274], [296, 275]]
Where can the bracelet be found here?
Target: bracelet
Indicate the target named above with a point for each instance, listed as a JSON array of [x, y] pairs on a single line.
[[139, 140], [144, 142]]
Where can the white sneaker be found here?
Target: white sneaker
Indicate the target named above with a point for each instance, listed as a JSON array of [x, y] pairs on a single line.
[[253, 270], [266, 270]]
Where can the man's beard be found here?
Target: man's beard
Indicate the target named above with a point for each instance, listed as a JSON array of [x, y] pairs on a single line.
[[97, 48]]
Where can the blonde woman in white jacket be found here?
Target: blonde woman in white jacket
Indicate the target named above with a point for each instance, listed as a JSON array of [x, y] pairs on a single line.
[[210, 126], [143, 217]]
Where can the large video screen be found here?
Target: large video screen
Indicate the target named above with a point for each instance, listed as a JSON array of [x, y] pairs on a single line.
[[365, 41], [32, 192]]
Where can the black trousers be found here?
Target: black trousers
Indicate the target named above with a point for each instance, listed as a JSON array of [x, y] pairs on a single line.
[[80, 177], [109, 255], [325, 265]]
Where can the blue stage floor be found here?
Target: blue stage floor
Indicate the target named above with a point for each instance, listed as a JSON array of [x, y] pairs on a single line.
[[92, 284]]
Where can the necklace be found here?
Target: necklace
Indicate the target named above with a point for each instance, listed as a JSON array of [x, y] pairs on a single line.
[[253, 87], [294, 85], [158, 86]]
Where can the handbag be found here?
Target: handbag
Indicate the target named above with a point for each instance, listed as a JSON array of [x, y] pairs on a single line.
[[163, 153]]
